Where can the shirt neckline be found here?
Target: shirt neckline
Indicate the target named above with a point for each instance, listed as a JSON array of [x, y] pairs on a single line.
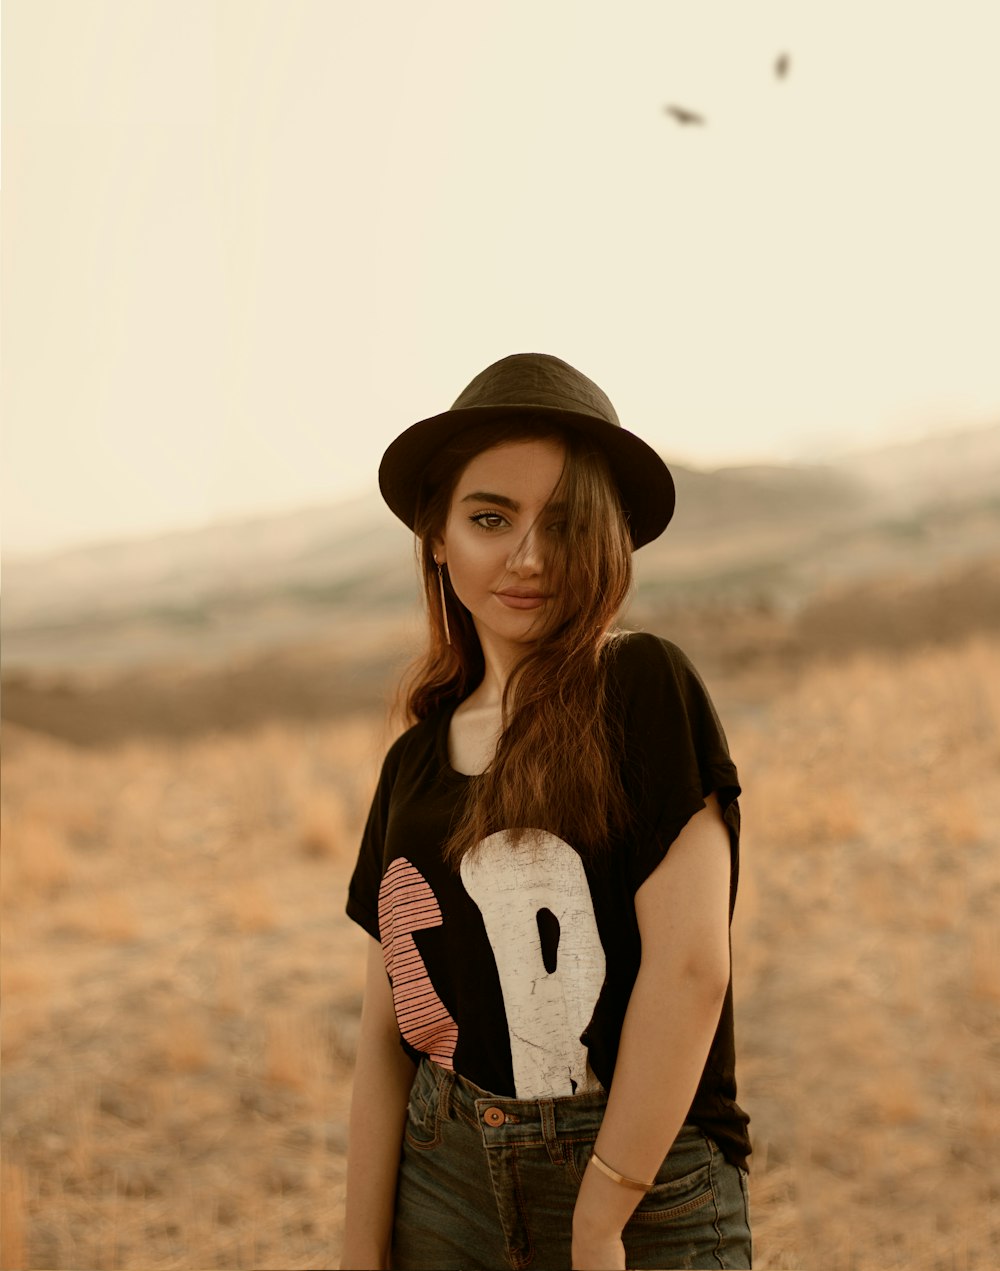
[[447, 769]]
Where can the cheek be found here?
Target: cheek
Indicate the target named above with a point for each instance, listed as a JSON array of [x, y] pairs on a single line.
[[456, 554], [465, 567], [467, 547]]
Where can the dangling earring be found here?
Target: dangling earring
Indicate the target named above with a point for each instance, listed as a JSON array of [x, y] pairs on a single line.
[[444, 607]]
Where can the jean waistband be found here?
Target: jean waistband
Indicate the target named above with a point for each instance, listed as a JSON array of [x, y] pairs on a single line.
[[503, 1120]]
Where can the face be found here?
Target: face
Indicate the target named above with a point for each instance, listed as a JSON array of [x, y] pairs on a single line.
[[498, 542]]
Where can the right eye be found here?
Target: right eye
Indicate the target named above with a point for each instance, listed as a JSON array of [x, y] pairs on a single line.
[[488, 520]]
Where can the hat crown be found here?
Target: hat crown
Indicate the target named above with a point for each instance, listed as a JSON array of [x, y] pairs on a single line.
[[523, 380], [543, 388]]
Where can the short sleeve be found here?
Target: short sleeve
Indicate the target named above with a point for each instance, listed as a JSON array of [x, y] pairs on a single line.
[[363, 889], [675, 750]]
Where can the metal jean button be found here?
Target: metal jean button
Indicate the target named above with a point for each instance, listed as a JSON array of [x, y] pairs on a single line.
[[494, 1116]]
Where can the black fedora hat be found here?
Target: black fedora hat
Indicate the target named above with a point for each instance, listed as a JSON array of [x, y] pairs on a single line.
[[541, 386]]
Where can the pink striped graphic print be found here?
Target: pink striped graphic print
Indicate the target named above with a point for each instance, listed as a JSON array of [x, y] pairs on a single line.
[[407, 904]]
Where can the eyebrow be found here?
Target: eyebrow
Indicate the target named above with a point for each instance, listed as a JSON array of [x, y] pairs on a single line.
[[484, 496]]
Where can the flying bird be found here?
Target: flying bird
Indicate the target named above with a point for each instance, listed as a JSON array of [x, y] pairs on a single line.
[[781, 66], [684, 116]]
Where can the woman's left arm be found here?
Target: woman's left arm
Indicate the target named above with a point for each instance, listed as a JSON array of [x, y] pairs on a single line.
[[683, 914]]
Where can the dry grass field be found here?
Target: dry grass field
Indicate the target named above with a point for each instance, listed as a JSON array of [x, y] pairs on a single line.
[[181, 987]]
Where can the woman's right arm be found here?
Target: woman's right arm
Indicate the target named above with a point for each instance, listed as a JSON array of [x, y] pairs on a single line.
[[383, 1075]]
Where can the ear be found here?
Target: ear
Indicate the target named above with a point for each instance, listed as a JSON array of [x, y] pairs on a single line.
[[438, 549]]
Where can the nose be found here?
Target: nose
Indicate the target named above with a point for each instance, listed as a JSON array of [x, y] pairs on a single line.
[[527, 557]]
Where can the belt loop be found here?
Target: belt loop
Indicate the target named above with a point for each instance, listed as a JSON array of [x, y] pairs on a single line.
[[547, 1113], [446, 1084]]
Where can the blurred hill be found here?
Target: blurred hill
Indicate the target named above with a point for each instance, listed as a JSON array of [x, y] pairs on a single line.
[[307, 612]]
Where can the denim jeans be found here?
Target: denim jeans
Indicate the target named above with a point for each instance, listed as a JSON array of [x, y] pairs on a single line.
[[490, 1183]]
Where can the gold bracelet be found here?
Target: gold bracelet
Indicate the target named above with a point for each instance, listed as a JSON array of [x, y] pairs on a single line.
[[616, 1177]]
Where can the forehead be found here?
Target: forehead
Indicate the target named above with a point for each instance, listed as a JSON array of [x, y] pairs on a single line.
[[528, 468]]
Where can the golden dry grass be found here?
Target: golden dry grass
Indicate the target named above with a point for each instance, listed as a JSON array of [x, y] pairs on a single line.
[[181, 993], [181, 987], [866, 968]]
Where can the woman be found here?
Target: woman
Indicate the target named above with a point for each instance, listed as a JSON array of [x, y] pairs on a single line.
[[545, 1069]]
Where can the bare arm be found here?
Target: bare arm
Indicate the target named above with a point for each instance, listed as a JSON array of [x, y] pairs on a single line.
[[383, 1075], [683, 915]]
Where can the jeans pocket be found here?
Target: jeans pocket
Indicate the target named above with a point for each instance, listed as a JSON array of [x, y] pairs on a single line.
[[423, 1123], [683, 1184], [676, 1197]]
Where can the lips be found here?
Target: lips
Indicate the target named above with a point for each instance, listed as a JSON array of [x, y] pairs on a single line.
[[521, 598]]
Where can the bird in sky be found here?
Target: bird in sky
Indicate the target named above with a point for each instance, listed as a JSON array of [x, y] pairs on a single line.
[[683, 116], [781, 65]]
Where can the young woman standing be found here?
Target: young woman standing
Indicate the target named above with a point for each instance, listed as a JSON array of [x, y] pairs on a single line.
[[545, 1074]]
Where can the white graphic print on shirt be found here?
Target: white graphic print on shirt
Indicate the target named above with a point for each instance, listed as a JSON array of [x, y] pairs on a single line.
[[523, 891]]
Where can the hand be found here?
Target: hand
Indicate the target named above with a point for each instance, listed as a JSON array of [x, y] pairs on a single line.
[[605, 1253], [351, 1260], [601, 1211]]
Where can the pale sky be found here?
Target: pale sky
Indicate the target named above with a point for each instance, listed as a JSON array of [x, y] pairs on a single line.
[[247, 242]]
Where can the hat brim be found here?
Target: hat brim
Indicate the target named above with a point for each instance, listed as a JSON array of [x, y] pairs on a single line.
[[644, 483]]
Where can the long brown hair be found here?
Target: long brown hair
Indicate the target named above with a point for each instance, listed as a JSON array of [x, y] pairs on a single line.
[[556, 766]]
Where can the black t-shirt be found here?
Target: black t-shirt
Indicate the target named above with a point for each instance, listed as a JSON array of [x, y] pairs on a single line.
[[516, 970]]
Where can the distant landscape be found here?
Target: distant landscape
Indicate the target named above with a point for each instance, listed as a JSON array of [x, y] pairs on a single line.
[[307, 614], [192, 729]]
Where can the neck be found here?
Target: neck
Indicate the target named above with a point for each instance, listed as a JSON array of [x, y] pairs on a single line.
[[499, 660]]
